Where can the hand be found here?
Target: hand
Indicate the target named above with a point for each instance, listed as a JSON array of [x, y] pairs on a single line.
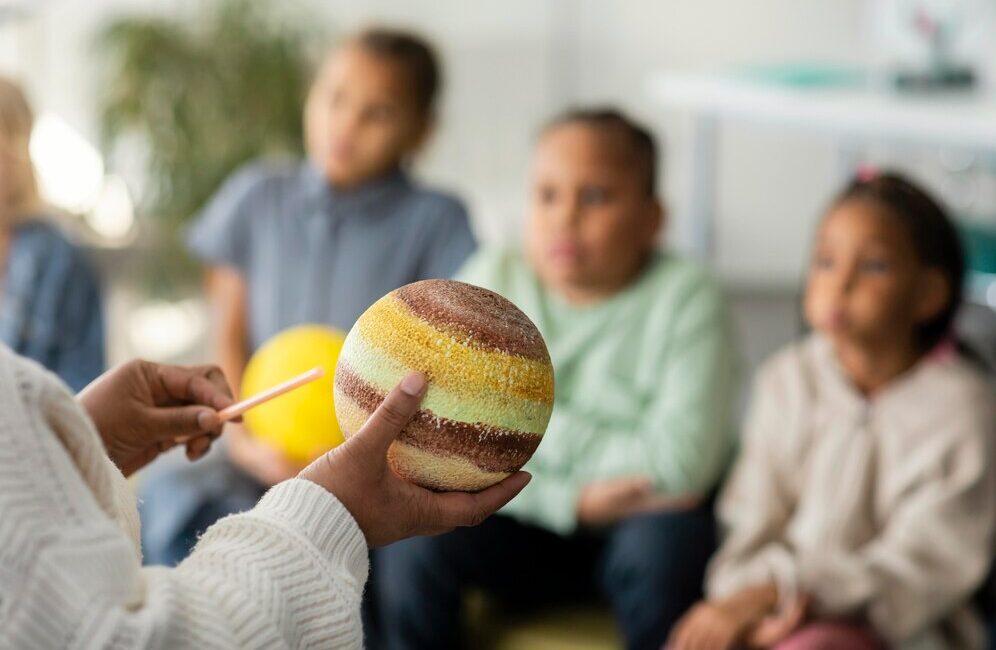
[[709, 626], [385, 506], [775, 628], [141, 409], [605, 502], [258, 459], [723, 624]]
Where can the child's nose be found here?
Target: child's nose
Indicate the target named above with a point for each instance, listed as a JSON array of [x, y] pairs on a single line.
[[569, 213], [846, 279], [347, 120]]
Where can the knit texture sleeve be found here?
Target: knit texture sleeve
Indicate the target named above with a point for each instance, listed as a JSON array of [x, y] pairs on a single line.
[[287, 574]]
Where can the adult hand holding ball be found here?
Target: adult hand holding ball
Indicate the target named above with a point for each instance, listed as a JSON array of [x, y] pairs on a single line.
[[491, 385], [385, 506]]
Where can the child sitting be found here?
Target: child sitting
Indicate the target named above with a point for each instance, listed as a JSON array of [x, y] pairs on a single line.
[[314, 241], [50, 297], [645, 366], [860, 513]]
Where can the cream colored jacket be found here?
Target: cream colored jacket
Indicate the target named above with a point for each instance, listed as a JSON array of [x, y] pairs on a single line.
[[882, 510]]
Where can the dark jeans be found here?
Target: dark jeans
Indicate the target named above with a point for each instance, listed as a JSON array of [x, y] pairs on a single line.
[[986, 602], [648, 568], [178, 501]]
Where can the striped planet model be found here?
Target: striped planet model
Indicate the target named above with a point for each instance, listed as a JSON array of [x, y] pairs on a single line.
[[490, 391]]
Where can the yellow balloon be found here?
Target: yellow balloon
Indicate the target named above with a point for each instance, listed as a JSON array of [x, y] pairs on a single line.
[[302, 423]]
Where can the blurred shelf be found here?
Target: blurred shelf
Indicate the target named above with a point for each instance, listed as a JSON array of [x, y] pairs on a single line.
[[981, 289], [835, 103], [957, 118]]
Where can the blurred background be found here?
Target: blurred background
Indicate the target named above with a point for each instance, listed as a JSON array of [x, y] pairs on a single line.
[[763, 109]]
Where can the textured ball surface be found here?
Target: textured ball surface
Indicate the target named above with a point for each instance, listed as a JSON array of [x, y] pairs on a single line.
[[490, 378], [301, 423]]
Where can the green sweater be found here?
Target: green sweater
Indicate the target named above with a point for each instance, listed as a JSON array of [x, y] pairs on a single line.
[[645, 383]]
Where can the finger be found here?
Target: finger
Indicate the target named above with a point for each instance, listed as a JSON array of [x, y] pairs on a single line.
[[761, 637], [676, 640], [211, 390], [637, 486], [197, 447], [705, 637], [664, 503], [198, 385], [183, 422], [627, 490], [386, 423], [470, 509], [709, 639], [215, 375], [184, 439], [764, 634], [144, 456], [686, 634]]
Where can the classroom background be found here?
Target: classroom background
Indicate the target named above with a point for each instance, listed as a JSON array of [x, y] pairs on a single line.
[[762, 108]]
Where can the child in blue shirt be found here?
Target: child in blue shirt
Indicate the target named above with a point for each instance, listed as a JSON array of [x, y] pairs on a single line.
[[313, 241]]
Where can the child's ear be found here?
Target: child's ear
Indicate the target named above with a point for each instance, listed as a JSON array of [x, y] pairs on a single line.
[[933, 295], [423, 133], [661, 216], [656, 220]]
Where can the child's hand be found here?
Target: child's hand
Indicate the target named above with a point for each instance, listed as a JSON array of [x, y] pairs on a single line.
[[723, 624], [775, 628], [141, 409], [605, 502], [258, 459], [710, 626]]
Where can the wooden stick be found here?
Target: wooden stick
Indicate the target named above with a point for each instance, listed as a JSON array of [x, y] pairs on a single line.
[[239, 408]]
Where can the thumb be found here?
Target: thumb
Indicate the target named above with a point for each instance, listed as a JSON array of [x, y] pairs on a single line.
[[183, 422], [472, 508], [386, 423]]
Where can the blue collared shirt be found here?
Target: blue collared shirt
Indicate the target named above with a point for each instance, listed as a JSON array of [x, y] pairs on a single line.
[[50, 308], [313, 254]]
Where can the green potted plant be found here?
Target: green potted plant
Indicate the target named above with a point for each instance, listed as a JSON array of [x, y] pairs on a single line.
[[203, 94]]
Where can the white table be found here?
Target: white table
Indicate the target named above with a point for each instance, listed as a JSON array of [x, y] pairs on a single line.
[[854, 117]]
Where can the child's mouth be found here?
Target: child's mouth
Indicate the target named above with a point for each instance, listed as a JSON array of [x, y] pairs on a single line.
[[838, 321], [564, 251]]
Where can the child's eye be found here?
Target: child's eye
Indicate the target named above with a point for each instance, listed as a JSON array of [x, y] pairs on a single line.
[[336, 99], [378, 113], [823, 262], [545, 195], [594, 196], [381, 112], [874, 266]]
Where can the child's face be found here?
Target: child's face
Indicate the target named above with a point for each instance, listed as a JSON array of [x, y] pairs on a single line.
[[361, 117], [591, 220], [866, 285]]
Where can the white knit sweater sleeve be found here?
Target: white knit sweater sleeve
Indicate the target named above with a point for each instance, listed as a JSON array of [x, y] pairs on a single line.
[[287, 574]]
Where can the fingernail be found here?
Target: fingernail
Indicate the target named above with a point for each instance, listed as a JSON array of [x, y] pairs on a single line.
[[206, 420], [413, 384]]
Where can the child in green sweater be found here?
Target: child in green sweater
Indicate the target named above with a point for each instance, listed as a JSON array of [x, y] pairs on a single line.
[[645, 365]]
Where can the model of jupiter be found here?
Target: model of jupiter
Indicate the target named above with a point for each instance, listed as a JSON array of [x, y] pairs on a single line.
[[490, 390]]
